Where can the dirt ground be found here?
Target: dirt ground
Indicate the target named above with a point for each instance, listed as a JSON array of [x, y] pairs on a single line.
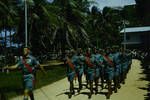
[[129, 91]]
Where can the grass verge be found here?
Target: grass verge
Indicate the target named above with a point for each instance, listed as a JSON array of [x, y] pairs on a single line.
[[11, 84]]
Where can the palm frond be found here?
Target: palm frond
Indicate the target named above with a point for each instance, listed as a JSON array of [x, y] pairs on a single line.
[[51, 16], [68, 40]]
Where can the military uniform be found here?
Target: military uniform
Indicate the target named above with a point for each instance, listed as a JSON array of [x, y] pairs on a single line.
[[80, 69], [109, 71], [117, 71], [70, 70], [71, 74], [97, 68], [28, 76], [90, 60], [28, 66]]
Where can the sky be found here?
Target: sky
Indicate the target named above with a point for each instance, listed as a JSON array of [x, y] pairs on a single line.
[[113, 3]]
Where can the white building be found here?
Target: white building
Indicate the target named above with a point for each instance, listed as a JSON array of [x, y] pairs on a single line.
[[136, 37]]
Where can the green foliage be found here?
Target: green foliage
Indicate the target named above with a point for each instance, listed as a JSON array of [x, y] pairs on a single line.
[[143, 8], [104, 26], [61, 24], [11, 84]]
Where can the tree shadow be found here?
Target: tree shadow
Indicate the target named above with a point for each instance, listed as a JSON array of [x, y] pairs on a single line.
[[146, 72], [6, 90]]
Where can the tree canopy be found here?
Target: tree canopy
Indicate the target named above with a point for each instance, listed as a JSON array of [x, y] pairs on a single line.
[[69, 23]]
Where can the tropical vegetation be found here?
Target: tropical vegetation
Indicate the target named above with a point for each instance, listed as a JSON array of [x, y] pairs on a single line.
[[63, 24]]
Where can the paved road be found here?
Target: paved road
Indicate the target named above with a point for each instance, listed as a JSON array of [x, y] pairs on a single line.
[[129, 91]]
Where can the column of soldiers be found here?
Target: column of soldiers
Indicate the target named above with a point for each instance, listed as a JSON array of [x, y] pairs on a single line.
[[100, 67]]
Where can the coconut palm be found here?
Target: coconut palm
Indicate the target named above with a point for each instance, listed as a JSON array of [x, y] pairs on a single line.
[[104, 25], [53, 24], [8, 17]]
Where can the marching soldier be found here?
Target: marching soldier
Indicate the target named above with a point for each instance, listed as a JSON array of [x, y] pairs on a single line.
[[117, 63], [80, 67], [109, 70], [27, 64], [90, 70], [124, 66], [129, 57], [97, 68], [70, 63], [102, 67]]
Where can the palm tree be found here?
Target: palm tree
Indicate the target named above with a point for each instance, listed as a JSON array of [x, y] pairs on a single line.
[[8, 18], [72, 15], [143, 7], [57, 23], [104, 25]]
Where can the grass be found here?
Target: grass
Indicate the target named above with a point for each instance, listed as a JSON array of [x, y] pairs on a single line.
[[11, 84]]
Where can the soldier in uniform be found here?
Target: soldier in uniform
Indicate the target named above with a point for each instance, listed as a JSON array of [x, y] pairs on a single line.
[[80, 67], [117, 63], [27, 65], [102, 67], [97, 68], [124, 66], [89, 60], [87, 55], [70, 62], [129, 57], [109, 70]]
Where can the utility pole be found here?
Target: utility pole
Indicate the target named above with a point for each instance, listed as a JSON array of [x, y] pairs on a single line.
[[124, 26], [26, 22]]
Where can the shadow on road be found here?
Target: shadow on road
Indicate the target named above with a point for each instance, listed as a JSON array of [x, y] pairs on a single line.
[[5, 90], [83, 92], [146, 70]]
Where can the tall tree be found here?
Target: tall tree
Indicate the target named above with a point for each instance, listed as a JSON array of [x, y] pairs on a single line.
[[104, 25], [143, 8]]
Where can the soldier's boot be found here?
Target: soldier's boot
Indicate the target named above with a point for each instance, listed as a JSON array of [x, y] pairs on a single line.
[[71, 89], [87, 84], [73, 92], [118, 82], [122, 80], [31, 96], [91, 89], [109, 90], [80, 85], [115, 84], [102, 82], [96, 86]]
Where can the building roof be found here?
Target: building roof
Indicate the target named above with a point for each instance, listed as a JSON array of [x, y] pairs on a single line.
[[135, 29], [131, 42]]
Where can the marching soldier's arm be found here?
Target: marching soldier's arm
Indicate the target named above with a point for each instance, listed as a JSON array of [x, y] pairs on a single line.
[[13, 67], [37, 64], [42, 68]]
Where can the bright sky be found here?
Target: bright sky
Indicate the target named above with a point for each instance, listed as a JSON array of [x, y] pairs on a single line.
[[113, 3]]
